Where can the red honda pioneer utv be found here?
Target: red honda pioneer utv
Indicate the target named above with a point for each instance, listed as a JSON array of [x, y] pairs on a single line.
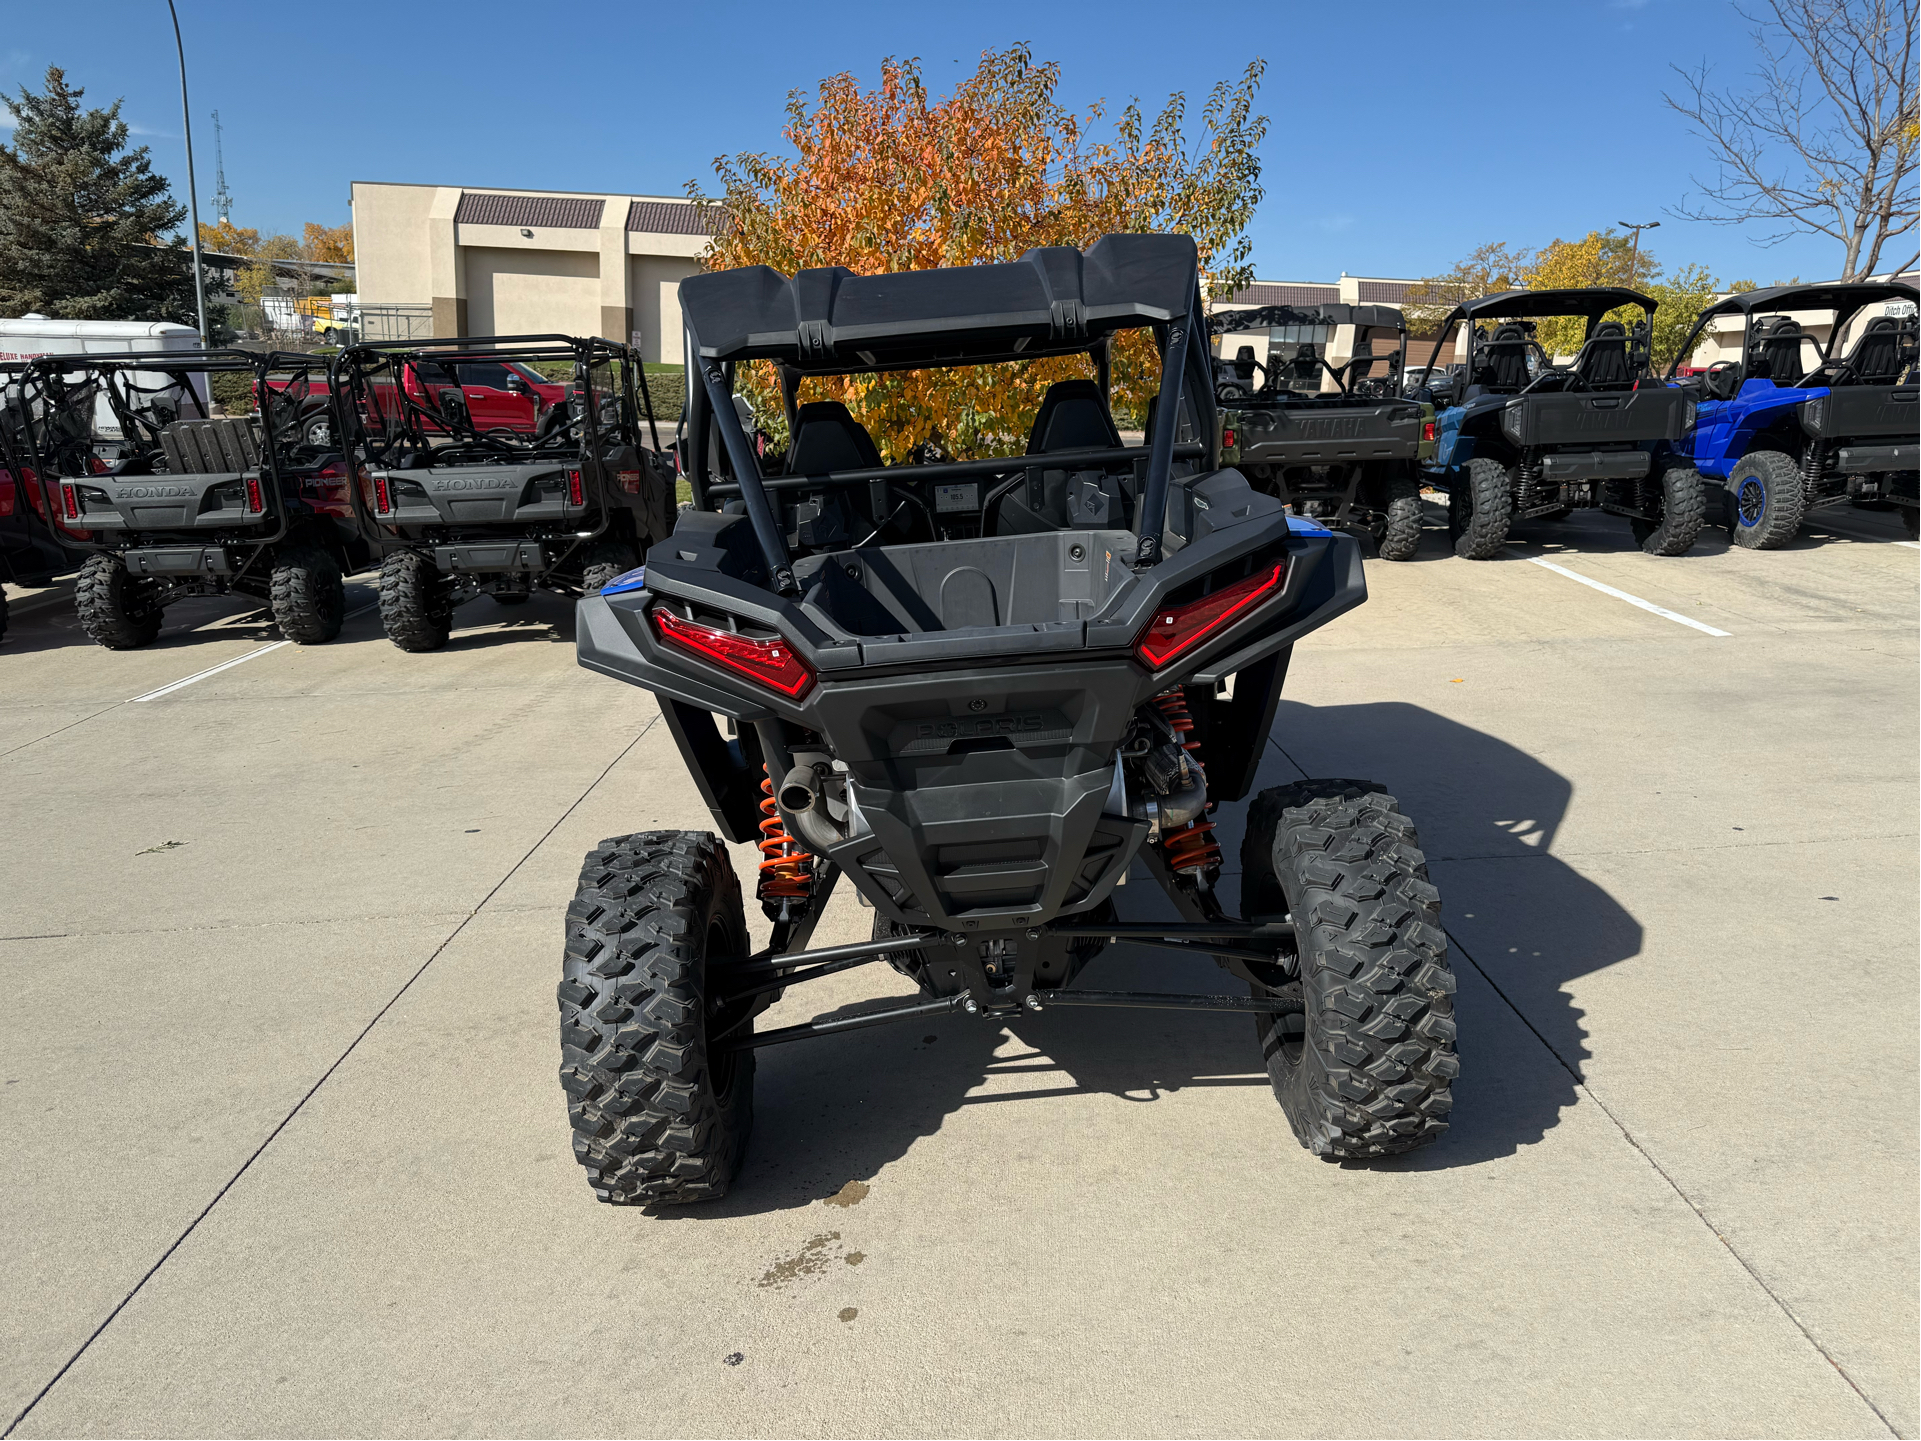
[[561, 495], [981, 689], [178, 503], [36, 541]]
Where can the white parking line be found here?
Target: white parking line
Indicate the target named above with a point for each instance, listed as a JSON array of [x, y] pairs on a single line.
[[239, 660], [211, 670], [1910, 544], [1646, 605]]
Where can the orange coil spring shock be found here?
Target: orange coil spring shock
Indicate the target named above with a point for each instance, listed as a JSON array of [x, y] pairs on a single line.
[[1192, 848], [786, 870]]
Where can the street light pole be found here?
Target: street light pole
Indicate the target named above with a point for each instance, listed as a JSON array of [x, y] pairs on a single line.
[[1634, 256], [193, 194]]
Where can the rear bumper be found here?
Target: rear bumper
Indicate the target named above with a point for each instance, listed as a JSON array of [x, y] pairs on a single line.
[[1867, 459], [1595, 465], [179, 560], [492, 557]]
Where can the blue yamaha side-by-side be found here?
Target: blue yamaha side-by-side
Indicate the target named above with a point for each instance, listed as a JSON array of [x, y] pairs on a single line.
[[1755, 444], [1775, 438]]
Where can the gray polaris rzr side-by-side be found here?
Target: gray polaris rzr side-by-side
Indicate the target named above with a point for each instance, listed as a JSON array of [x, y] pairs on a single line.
[[480, 475], [1525, 435], [980, 689], [174, 501], [1336, 442]]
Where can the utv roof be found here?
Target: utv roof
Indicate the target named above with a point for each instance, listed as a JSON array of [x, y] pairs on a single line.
[[1223, 322], [1589, 300], [1054, 300], [1839, 295]]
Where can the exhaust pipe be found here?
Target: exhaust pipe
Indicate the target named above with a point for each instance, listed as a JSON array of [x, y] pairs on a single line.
[[800, 790]]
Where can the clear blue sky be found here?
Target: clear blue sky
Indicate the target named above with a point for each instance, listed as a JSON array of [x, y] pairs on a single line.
[[1403, 134]]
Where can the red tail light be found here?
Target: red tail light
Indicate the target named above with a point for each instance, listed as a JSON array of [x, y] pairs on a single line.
[[256, 502], [1227, 439], [575, 494], [1176, 630], [771, 663], [383, 498], [70, 499], [1427, 430]]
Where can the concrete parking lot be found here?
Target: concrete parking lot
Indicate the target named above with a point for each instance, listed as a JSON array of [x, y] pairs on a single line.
[[285, 1149]]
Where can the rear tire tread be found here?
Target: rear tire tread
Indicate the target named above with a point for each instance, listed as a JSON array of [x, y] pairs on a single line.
[[649, 1124], [308, 596], [1376, 995], [414, 608], [115, 610]]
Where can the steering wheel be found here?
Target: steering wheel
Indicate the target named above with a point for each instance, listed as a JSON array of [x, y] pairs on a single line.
[[1714, 372]]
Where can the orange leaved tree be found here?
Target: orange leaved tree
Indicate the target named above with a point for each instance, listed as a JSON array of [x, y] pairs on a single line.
[[895, 179]]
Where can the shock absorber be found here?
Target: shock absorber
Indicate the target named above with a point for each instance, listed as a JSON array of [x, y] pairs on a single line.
[[1814, 468], [1191, 849], [786, 868]]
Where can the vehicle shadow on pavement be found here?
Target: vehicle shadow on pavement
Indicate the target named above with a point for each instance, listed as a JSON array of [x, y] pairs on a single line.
[[1527, 921], [546, 619]]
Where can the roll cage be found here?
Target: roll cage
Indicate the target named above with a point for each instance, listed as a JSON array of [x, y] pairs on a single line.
[[1846, 299], [402, 402], [1589, 302], [60, 396], [1371, 317], [1052, 301]]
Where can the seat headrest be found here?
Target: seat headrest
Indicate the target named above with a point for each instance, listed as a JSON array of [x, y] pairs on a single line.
[[1073, 416], [1604, 359], [1782, 351], [1877, 354], [827, 437]]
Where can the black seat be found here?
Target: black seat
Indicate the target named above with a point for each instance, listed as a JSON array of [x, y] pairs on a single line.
[[1604, 360], [1876, 356], [1073, 416], [1781, 352], [1244, 363], [1504, 361], [827, 438]]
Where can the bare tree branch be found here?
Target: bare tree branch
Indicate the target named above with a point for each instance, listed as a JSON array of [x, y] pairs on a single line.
[[1825, 140]]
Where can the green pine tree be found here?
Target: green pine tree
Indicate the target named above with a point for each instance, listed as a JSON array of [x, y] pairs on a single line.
[[81, 215]]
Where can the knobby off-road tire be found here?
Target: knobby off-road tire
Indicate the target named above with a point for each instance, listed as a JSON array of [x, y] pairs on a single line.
[[1910, 521], [115, 610], [414, 605], [1684, 510], [658, 1116], [308, 596], [603, 563], [3, 614], [1402, 538], [1362, 1060], [1478, 508], [1766, 500]]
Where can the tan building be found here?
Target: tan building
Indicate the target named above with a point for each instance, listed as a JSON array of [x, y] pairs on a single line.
[[500, 262]]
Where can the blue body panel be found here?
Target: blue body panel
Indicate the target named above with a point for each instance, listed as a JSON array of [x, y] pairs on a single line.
[[1723, 429], [1452, 450]]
